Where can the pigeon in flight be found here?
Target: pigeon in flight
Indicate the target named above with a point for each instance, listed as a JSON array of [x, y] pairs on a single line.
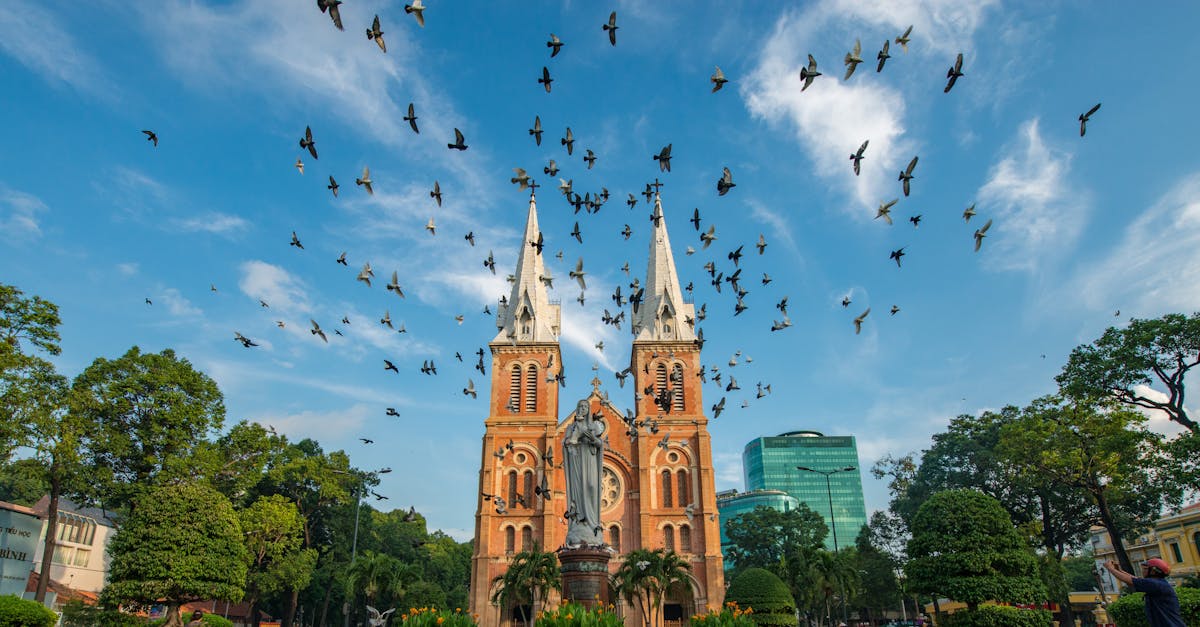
[[725, 183], [300, 166], [578, 274], [1083, 120], [853, 58], [664, 164], [458, 141], [431, 227], [470, 237], [968, 213], [859, 321], [151, 136], [436, 193], [316, 330], [246, 342], [807, 74], [365, 181], [568, 141], [857, 156], [334, 14], [903, 39], [417, 9], [612, 27], [342, 259], [333, 186], [296, 241], [307, 141], [895, 309], [953, 73], [916, 220], [590, 158], [762, 244], [897, 254], [366, 274], [550, 170], [980, 234], [907, 174], [394, 286], [555, 44], [375, 33], [536, 131], [885, 210], [521, 178], [470, 389], [545, 79], [883, 56], [391, 411], [718, 80], [411, 118]]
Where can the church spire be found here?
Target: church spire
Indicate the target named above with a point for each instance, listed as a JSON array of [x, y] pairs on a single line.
[[662, 314], [528, 316]]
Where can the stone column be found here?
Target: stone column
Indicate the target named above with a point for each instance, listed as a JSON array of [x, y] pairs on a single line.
[[585, 575]]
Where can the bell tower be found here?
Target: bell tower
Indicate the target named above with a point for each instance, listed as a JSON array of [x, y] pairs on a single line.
[[517, 456]]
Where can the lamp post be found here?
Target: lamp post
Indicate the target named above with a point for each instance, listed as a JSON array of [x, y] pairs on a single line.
[[832, 522], [358, 490]]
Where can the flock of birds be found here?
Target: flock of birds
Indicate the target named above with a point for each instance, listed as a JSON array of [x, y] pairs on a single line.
[[591, 202]]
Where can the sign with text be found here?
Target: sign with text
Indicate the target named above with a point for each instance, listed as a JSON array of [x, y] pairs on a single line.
[[19, 536]]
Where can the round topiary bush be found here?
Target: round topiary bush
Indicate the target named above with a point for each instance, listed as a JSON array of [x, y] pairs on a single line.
[[997, 616], [1130, 609], [766, 595], [18, 612]]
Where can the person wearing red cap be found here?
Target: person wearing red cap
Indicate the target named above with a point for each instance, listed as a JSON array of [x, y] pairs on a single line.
[[1162, 604]]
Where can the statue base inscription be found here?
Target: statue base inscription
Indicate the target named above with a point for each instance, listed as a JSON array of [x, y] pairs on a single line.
[[585, 575]]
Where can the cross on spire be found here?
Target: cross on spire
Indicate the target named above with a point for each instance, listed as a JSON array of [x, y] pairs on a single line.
[[656, 185], [533, 185]]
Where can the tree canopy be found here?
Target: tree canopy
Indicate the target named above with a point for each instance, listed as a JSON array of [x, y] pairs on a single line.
[[760, 590], [762, 538]]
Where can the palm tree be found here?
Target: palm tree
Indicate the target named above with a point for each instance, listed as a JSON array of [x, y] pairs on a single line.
[[379, 577], [646, 576], [529, 577], [832, 573]]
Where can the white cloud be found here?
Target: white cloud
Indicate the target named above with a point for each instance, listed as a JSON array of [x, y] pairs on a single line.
[[1038, 215], [18, 213], [178, 305], [1155, 268], [38, 39], [321, 425], [128, 269], [274, 285], [214, 222]]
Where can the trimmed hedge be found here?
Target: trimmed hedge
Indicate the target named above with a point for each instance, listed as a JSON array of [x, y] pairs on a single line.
[[997, 616], [766, 597], [209, 619], [79, 614], [18, 612], [1130, 609]]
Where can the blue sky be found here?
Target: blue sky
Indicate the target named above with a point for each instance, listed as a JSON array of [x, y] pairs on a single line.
[[97, 220]]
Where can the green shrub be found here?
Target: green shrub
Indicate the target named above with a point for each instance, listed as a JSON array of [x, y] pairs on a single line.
[[997, 616], [1130, 609], [79, 614], [212, 620], [764, 596], [18, 612], [576, 615]]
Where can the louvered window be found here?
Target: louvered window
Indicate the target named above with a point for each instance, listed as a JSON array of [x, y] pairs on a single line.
[[527, 491], [685, 539], [660, 379], [666, 488], [669, 538], [526, 538], [685, 488], [512, 489], [531, 389], [614, 538], [510, 539], [514, 390], [677, 388]]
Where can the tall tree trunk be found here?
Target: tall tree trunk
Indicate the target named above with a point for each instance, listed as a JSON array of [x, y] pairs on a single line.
[[325, 605], [173, 619], [289, 610], [1114, 534], [51, 534]]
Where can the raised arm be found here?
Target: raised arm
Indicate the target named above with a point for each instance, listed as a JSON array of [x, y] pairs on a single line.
[[1116, 571]]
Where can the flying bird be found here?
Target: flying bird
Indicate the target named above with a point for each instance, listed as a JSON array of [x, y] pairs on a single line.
[[577, 234], [470, 237], [853, 58], [521, 178], [545, 79], [391, 411], [695, 218], [490, 262], [431, 227], [725, 183], [375, 33], [367, 440], [953, 73], [436, 193], [550, 170], [296, 241], [246, 342], [458, 141], [333, 186], [968, 213], [411, 118], [536, 131], [342, 259], [980, 234], [316, 330], [394, 286], [903, 39], [709, 236], [762, 244], [307, 141], [1083, 120], [417, 9], [907, 174], [151, 136], [470, 389], [857, 156], [664, 164], [718, 79], [568, 141], [859, 321], [555, 44], [885, 210], [590, 158], [334, 14], [897, 254], [612, 27], [807, 74], [365, 180], [578, 274], [916, 220], [895, 309], [366, 274], [883, 56]]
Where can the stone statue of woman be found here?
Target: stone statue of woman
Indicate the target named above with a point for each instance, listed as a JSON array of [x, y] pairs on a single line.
[[583, 460]]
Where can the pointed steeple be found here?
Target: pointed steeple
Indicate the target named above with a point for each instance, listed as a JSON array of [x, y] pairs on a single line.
[[529, 316], [662, 315]]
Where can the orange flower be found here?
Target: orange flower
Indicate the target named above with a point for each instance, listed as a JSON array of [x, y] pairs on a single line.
[[441, 619]]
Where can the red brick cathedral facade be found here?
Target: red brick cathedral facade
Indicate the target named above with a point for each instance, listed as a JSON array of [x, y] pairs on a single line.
[[657, 488]]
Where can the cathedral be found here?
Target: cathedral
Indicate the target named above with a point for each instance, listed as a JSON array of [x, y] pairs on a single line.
[[657, 487]]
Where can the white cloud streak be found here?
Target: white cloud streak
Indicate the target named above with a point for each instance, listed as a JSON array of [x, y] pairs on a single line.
[[19, 214], [39, 41]]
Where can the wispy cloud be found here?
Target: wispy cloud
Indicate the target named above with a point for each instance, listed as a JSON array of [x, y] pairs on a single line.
[[321, 425], [214, 222], [179, 305], [277, 287], [19, 213], [128, 268], [1039, 216], [1155, 267], [39, 40]]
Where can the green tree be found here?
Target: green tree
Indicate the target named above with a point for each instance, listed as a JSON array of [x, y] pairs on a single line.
[[380, 578], [28, 334], [1124, 363], [180, 543], [22, 481], [147, 414], [275, 559], [964, 546], [879, 590], [529, 576], [763, 537], [831, 576], [645, 578], [1101, 452], [1080, 571], [237, 462], [760, 590]]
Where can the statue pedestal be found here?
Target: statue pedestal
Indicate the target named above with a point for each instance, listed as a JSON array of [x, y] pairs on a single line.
[[585, 575]]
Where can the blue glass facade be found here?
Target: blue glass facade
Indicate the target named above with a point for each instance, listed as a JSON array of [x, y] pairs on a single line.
[[770, 464]]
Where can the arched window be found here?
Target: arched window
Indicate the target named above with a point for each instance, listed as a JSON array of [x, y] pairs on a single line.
[[677, 388], [685, 488], [666, 489], [614, 538], [514, 390], [531, 389], [526, 538], [512, 488], [685, 539], [510, 539], [669, 538], [527, 491], [660, 379]]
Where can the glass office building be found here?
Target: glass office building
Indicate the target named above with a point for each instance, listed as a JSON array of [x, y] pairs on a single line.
[[731, 504], [770, 464]]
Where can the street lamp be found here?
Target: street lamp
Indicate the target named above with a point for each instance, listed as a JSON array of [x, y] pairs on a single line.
[[832, 522], [358, 490]]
